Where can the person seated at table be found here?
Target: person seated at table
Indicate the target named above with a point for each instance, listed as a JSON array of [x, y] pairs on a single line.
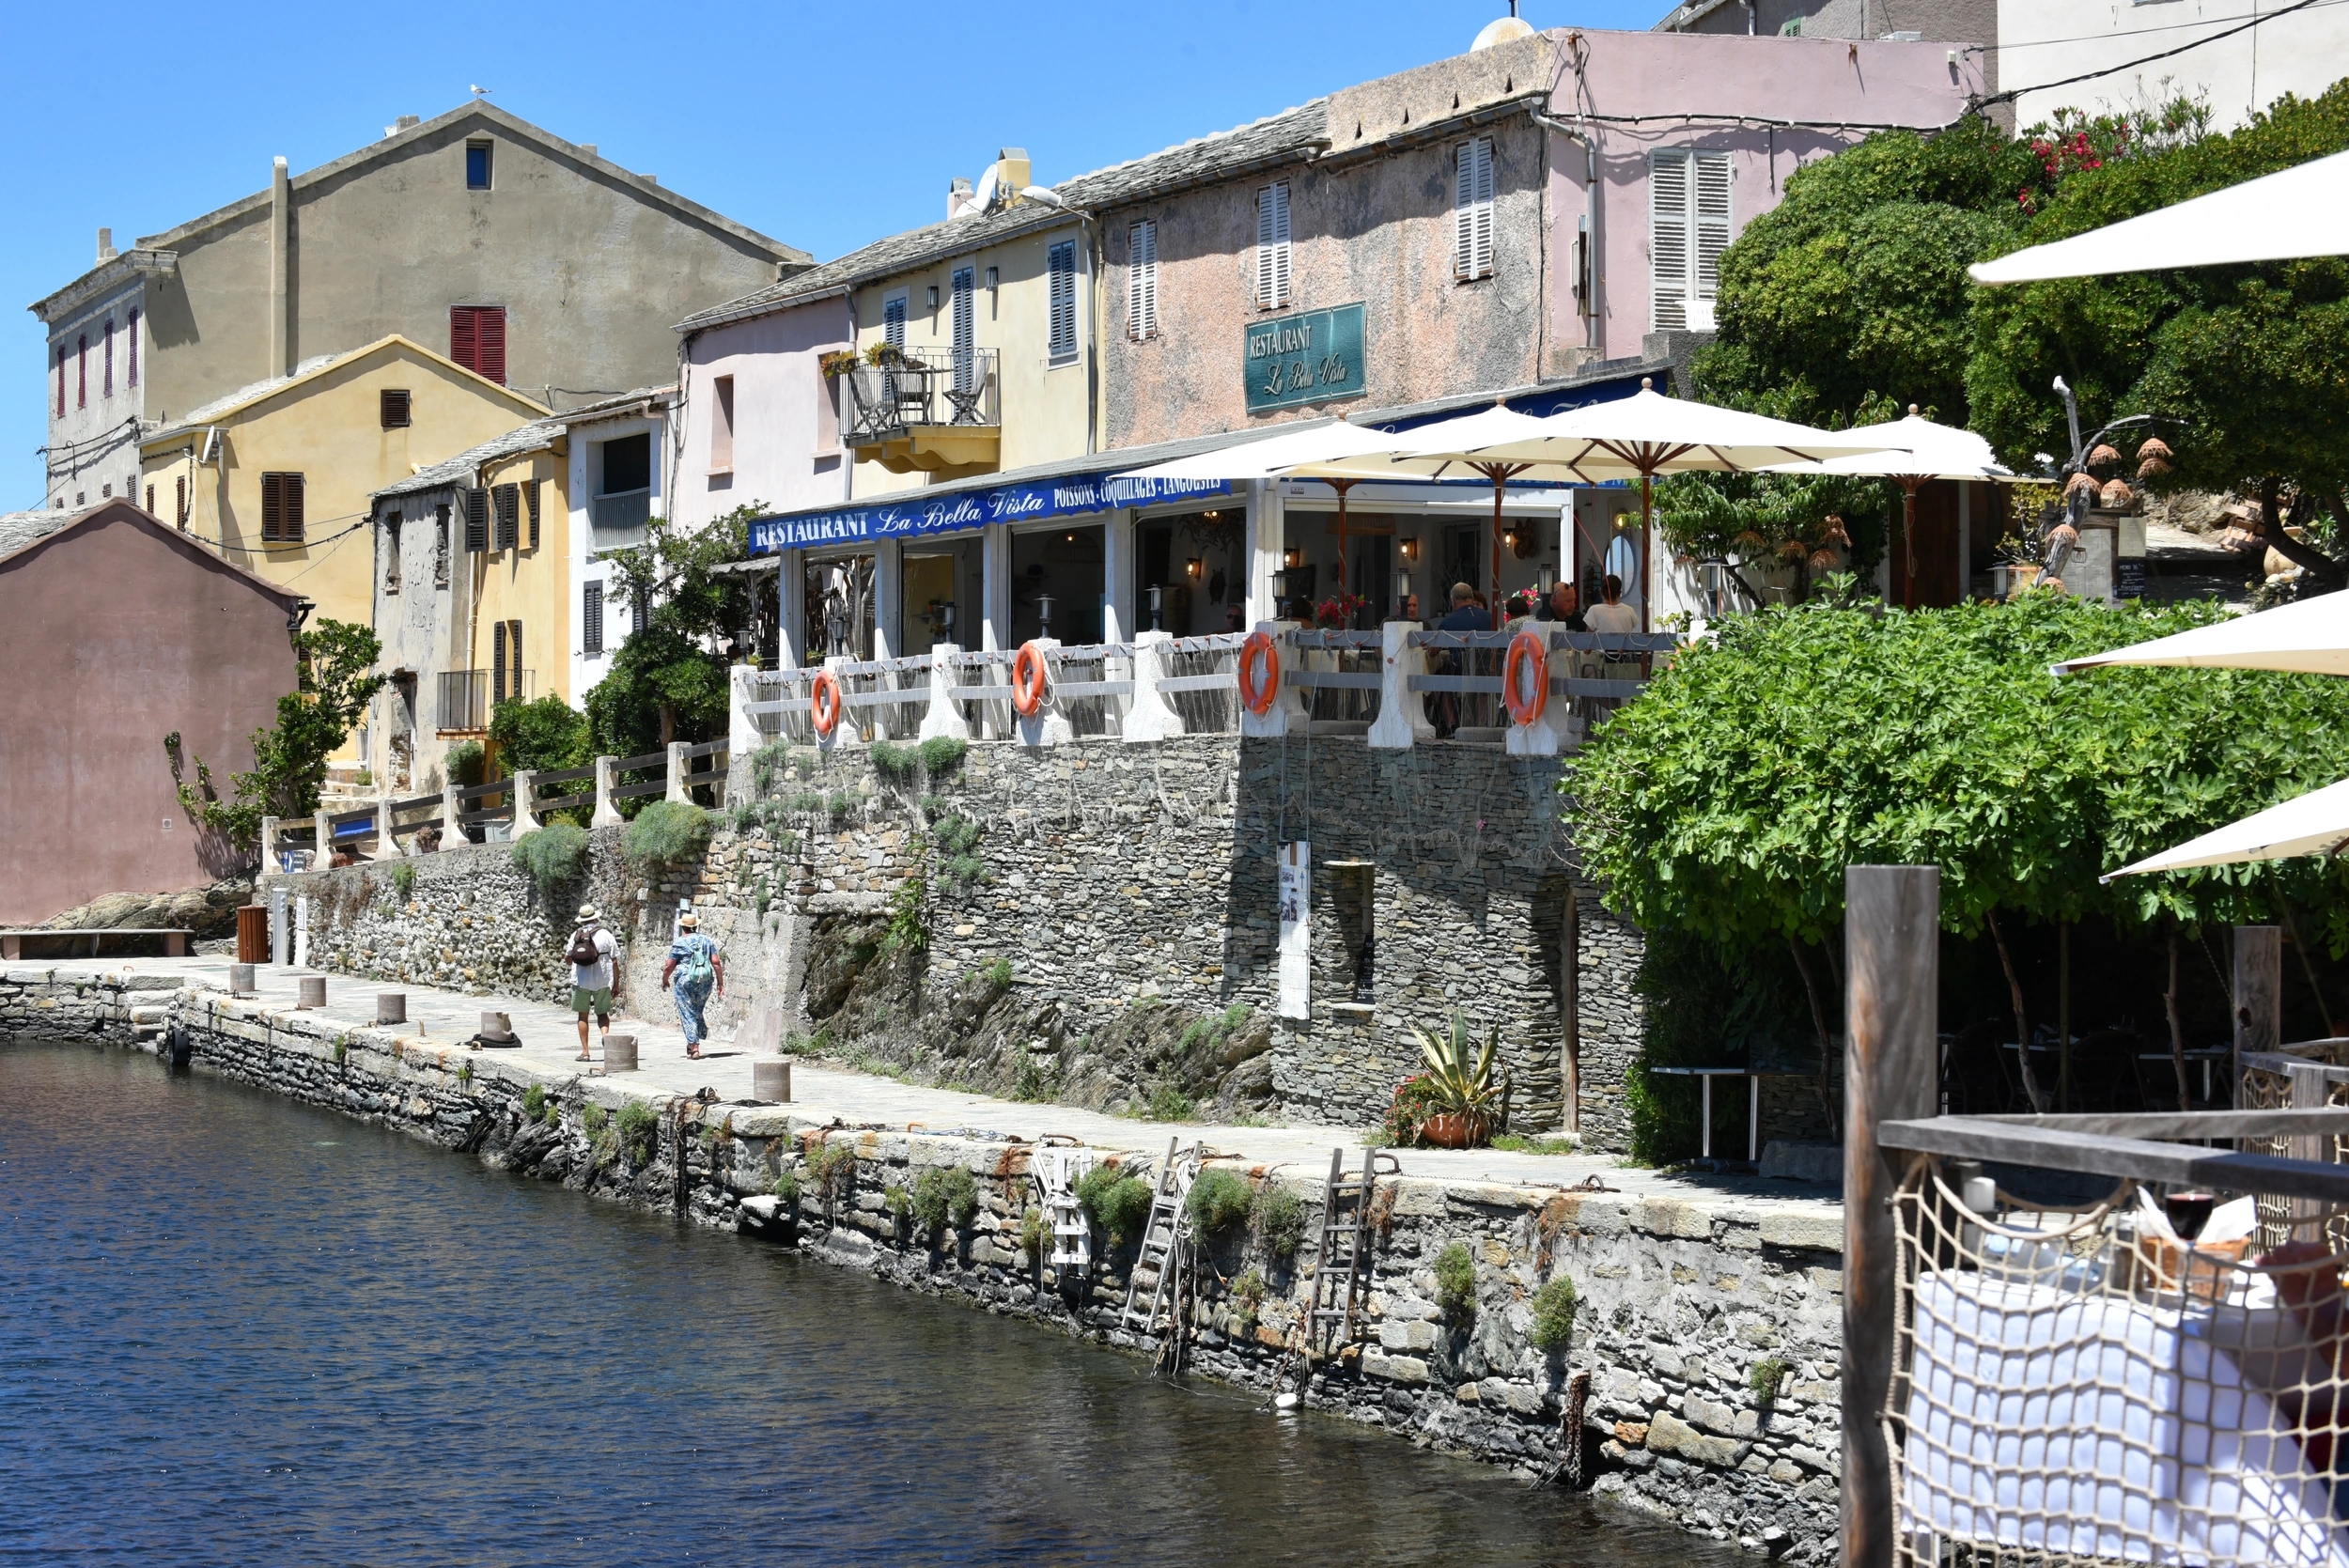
[[1613, 615], [1563, 606], [1520, 610], [1444, 707]]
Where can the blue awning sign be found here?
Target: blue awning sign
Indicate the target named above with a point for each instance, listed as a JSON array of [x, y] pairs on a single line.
[[911, 516]]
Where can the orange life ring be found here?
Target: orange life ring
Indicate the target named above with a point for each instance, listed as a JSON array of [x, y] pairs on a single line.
[[1525, 648], [824, 702], [1255, 690], [1028, 675]]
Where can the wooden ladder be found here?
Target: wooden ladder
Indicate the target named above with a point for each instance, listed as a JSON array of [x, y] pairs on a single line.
[[1341, 1268], [1057, 1172], [1163, 1239]]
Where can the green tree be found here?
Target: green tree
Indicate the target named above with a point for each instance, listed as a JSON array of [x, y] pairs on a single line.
[[539, 737], [669, 681], [334, 682], [1749, 523]]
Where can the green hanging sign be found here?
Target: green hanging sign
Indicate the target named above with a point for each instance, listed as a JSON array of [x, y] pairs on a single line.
[[1315, 357]]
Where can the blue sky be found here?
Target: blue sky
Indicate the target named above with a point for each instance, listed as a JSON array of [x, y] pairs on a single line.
[[825, 126]]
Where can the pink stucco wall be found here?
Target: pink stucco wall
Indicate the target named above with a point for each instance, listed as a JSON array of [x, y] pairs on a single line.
[[785, 452], [1703, 84]]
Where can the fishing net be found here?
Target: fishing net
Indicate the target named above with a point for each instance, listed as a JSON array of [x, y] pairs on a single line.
[[2079, 1385]]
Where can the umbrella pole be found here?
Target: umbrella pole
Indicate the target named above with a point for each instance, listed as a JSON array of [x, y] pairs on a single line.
[[1341, 485], [1647, 573], [1908, 544], [1500, 486]]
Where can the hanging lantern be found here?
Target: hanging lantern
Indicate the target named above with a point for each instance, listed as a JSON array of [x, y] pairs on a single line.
[[2080, 482], [2103, 453], [2116, 496], [2153, 457]]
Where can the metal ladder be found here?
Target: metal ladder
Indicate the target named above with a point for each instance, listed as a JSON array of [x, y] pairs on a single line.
[[1057, 1172], [1164, 1239], [1342, 1267]]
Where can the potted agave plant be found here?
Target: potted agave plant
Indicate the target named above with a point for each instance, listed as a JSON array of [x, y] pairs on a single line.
[[1459, 1084]]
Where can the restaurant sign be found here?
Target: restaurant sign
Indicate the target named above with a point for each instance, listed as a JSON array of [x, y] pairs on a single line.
[[913, 515], [1313, 358]]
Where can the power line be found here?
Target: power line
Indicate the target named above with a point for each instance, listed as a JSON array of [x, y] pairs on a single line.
[[2098, 37], [2013, 93]]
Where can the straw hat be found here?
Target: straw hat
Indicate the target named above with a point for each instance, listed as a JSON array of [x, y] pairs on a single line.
[[586, 912], [688, 920]]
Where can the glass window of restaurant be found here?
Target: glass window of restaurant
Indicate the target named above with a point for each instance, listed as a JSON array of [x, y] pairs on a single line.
[[1057, 582], [1192, 570], [1405, 546]]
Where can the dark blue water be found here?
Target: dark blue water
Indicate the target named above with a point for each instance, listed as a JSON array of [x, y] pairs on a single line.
[[236, 1330]]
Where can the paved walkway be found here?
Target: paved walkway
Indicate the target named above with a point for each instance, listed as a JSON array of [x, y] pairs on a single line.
[[550, 1044]]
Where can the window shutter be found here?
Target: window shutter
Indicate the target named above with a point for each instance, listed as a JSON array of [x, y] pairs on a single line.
[[506, 504], [1712, 232], [134, 348], [292, 527], [1141, 280], [964, 327], [476, 520], [394, 408], [591, 618], [150, 501], [493, 344], [81, 371], [180, 502], [516, 686], [281, 508], [464, 343], [107, 383], [1272, 245], [1668, 239], [531, 494], [1473, 209], [61, 380], [497, 662], [894, 322], [1062, 260]]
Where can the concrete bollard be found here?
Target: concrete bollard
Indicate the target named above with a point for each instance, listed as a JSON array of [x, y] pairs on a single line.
[[240, 980], [313, 989], [771, 1082], [619, 1053], [497, 1028], [391, 1007]]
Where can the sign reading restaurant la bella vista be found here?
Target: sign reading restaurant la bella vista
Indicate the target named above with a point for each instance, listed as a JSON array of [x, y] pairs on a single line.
[[1315, 357], [917, 514]]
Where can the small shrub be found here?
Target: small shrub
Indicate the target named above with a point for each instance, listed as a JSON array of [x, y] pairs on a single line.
[[553, 855], [962, 1197], [945, 1195], [769, 765], [760, 897], [898, 1203], [1031, 1232], [1248, 1293], [553, 1115], [942, 754], [1117, 1204], [897, 764], [464, 1074], [594, 1119], [1554, 1307], [1456, 1281], [342, 1050], [840, 802], [1170, 1104], [1278, 1220], [534, 1101], [956, 838], [638, 1128], [787, 1189], [805, 800], [466, 763], [832, 1168], [1032, 1081], [1525, 1144], [998, 974], [1767, 1373], [909, 929], [1219, 1202], [667, 832], [403, 880]]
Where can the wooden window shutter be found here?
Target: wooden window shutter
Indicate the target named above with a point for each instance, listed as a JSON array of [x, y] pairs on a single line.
[[497, 662], [180, 502], [1272, 245], [591, 618], [107, 384], [150, 501], [1141, 280], [516, 687], [81, 371], [1712, 216], [1668, 239], [281, 508], [963, 327], [894, 322], [60, 378], [1473, 209], [133, 346], [476, 520], [477, 340], [530, 494], [395, 407], [465, 341], [506, 504], [1062, 264], [492, 366]]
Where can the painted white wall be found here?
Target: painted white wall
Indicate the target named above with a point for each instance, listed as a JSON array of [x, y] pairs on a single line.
[[786, 449], [2045, 40], [585, 435], [93, 445]]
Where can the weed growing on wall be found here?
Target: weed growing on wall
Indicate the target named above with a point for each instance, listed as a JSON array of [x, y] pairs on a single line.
[[942, 756], [1554, 1307], [668, 832], [943, 1196], [1248, 1293], [1277, 1218], [637, 1127], [787, 1189], [1767, 1375], [955, 839], [1117, 1204], [896, 764], [771, 764], [1033, 1082], [1456, 1282], [404, 879], [534, 1101], [553, 856], [832, 1168], [1219, 1202], [1031, 1232], [998, 974]]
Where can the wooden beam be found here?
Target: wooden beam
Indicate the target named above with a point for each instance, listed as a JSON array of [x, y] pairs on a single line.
[[2183, 1126], [2052, 1149], [1892, 1060]]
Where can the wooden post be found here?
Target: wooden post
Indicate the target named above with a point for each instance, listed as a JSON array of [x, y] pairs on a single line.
[[1891, 924], [2259, 989]]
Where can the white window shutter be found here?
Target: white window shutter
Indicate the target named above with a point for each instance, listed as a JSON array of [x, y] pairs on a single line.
[[1272, 245], [1712, 233], [1668, 239], [1141, 280], [1473, 209]]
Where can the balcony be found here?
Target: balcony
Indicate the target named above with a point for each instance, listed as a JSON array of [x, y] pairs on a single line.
[[616, 521], [467, 696], [929, 411]]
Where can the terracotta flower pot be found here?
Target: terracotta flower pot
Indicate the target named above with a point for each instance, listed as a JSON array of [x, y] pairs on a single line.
[[1452, 1129]]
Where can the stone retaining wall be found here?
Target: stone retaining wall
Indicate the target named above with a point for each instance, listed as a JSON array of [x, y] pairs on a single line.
[[1680, 1303]]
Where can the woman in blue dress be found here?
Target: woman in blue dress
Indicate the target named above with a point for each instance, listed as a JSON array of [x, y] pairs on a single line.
[[697, 968]]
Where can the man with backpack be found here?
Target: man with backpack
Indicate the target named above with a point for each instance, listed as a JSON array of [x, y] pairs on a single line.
[[595, 978], [695, 964]]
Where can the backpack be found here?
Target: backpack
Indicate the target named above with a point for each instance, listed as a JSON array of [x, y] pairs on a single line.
[[583, 951], [698, 969]]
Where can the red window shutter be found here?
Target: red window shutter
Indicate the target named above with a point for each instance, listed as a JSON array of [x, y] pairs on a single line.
[[491, 330], [463, 345]]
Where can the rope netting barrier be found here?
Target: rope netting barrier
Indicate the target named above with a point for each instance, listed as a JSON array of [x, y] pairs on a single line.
[[2135, 1380]]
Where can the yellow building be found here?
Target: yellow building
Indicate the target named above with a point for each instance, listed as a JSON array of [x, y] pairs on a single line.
[[277, 476]]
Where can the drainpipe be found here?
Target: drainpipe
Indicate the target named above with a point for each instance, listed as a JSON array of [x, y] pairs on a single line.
[[281, 337]]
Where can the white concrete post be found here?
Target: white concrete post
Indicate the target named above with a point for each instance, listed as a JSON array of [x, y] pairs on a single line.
[[678, 763], [844, 734], [995, 587], [1149, 716], [743, 735], [607, 780], [1049, 726], [1288, 711], [270, 829], [1402, 722], [302, 932], [386, 843], [944, 718], [889, 598], [452, 831], [525, 787], [791, 590], [1118, 622], [324, 832], [1268, 539], [1547, 736]]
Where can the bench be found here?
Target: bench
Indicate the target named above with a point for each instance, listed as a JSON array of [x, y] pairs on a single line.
[[69, 943]]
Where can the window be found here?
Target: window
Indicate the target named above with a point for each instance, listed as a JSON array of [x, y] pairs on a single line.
[[893, 320], [722, 426], [497, 662], [1689, 228], [150, 501], [506, 505], [530, 496], [281, 508], [133, 346], [180, 502], [477, 340], [60, 381], [627, 465], [1472, 210], [476, 520], [391, 553], [1141, 280], [962, 328], [1273, 246], [476, 165], [591, 619], [1061, 261], [395, 407], [106, 381], [440, 546], [81, 372]]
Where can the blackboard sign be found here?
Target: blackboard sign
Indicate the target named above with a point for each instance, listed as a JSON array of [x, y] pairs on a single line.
[[2128, 577]]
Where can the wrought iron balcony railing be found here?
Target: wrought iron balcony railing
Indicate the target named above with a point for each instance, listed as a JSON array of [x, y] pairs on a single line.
[[922, 388]]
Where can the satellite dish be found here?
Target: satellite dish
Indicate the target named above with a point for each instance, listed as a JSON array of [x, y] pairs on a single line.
[[211, 446], [1506, 29], [987, 194]]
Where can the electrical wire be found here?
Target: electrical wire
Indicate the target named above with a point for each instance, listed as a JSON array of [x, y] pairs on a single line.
[[2010, 94]]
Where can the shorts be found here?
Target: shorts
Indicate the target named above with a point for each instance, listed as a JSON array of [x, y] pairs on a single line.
[[598, 1002]]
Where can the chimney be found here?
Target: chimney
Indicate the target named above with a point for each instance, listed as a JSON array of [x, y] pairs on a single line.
[[281, 343], [405, 122], [105, 247], [957, 197], [588, 147], [1011, 172]]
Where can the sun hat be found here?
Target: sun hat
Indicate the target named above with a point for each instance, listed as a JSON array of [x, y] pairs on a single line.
[[586, 912], [688, 920]]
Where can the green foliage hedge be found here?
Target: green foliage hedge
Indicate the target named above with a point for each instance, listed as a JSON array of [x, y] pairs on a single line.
[[1219, 1202], [553, 856], [1118, 1206], [668, 832]]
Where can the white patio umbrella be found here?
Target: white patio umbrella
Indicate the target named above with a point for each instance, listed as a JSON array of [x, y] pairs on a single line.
[[2309, 636], [2316, 823], [1925, 451], [1640, 436], [2295, 213]]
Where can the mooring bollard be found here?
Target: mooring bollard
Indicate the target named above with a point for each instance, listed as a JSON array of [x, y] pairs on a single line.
[[771, 1082], [391, 1007], [619, 1053], [240, 980], [313, 992], [497, 1029]]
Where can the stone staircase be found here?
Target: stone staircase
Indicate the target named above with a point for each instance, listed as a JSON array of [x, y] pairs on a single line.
[[348, 786]]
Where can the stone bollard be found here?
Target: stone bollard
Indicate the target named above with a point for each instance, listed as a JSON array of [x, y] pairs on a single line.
[[497, 1029], [607, 780], [680, 768], [619, 1053], [391, 1007], [323, 831], [240, 980], [452, 831], [313, 993], [771, 1082]]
